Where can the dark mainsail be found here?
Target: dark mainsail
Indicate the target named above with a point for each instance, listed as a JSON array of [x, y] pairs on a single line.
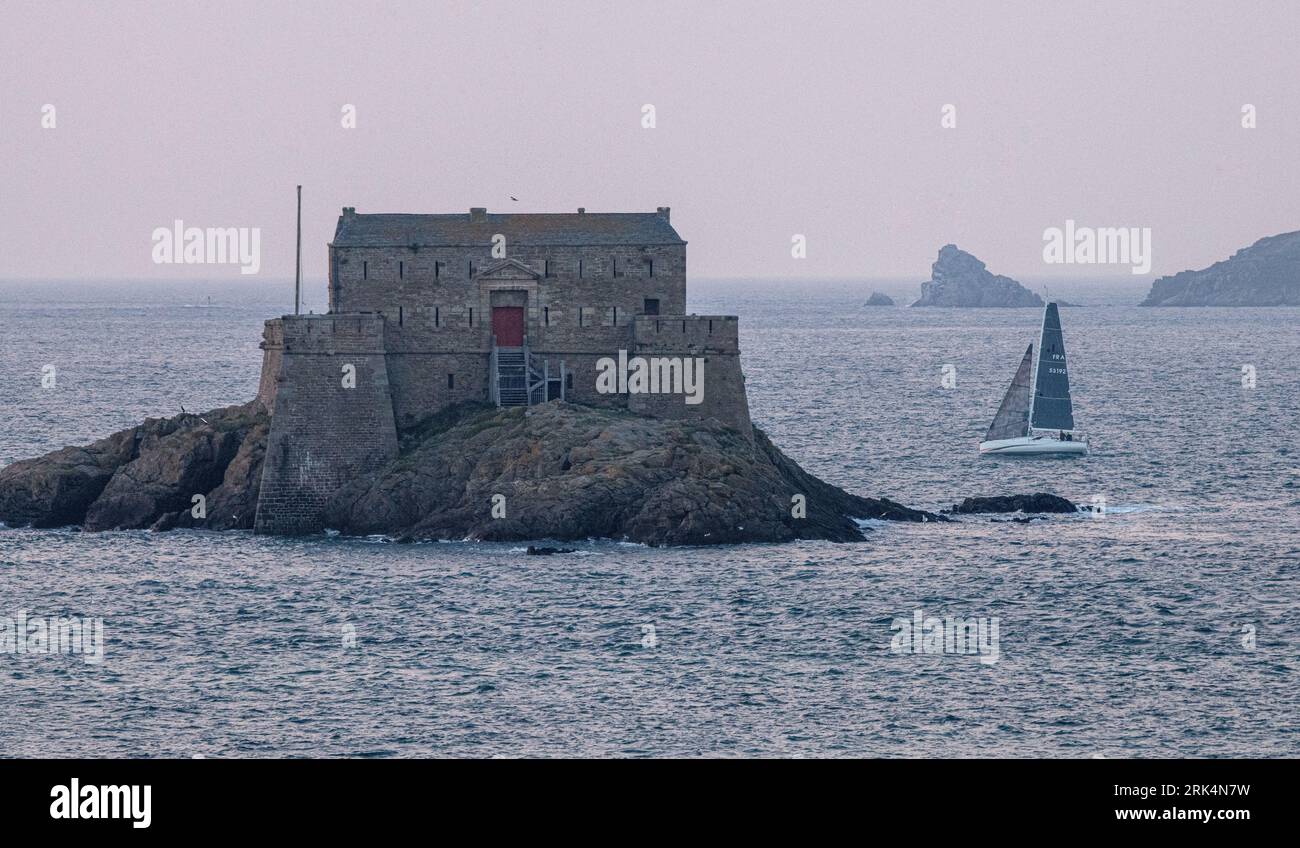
[[1012, 420], [1051, 402]]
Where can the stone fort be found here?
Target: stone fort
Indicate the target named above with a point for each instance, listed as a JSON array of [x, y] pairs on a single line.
[[427, 311]]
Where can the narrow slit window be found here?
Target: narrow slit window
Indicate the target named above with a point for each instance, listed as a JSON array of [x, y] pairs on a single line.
[[365, 270], [401, 270], [437, 318], [650, 264], [579, 268], [546, 316], [451, 381], [471, 316], [437, 270]]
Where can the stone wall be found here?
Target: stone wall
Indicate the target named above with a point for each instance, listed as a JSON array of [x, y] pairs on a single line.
[[713, 338], [420, 384], [322, 433], [272, 346], [432, 289]]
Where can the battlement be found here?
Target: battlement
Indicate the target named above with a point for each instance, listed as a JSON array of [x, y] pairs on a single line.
[[713, 339], [330, 334], [687, 333]]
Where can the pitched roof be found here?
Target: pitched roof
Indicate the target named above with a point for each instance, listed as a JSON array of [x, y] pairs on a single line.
[[563, 228]]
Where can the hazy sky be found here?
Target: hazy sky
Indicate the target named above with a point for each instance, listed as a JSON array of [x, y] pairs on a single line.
[[771, 119]]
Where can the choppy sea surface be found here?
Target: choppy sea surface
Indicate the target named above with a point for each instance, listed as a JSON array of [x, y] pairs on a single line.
[[1167, 626]]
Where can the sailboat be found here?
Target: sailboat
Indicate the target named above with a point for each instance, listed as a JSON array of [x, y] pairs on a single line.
[[1036, 416]]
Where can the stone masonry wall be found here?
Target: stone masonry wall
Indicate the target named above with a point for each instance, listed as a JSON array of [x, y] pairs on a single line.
[[715, 339], [439, 305], [272, 347], [322, 433]]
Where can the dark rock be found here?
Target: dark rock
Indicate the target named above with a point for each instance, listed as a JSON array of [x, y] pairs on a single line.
[[880, 299], [533, 550], [1265, 274], [628, 477], [233, 504], [145, 476], [959, 279], [55, 490], [1040, 502]]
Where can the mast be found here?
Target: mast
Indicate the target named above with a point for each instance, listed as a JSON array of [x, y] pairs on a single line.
[[297, 268]]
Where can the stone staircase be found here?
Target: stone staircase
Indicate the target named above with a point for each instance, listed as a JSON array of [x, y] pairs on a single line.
[[512, 376]]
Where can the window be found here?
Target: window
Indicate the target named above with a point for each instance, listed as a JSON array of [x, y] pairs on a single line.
[[436, 317], [652, 306], [451, 382], [614, 317], [650, 263], [471, 269], [365, 270], [471, 316], [579, 267], [613, 264], [546, 316], [568, 381], [401, 316], [401, 270], [437, 270], [581, 316], [546, 268]]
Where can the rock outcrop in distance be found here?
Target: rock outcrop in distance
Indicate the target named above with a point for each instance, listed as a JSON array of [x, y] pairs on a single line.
[[1265, 274], [1036, 503], [567, 472], [880, 299], [959, 279]]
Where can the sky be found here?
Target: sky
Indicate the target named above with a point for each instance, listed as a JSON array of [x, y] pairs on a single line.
[[771, 120]]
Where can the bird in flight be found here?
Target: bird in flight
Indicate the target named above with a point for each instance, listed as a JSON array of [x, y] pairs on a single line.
[[515, 199]]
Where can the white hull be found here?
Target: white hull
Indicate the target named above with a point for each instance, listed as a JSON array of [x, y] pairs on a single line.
[[1034, 446]]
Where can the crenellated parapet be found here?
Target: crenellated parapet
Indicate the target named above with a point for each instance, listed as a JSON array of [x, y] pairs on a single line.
[[708, 343]]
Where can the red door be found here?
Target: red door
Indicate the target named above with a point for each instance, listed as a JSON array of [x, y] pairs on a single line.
[[508, 325]]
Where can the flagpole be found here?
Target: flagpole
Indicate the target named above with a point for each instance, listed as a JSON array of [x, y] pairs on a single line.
[[297, 272]]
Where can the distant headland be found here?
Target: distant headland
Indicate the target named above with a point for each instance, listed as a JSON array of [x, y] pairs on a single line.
[[1265, 274]]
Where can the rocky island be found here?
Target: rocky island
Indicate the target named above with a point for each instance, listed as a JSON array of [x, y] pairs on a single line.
[[880, 299], [563, 471], [1265, 274], [959, 279]]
